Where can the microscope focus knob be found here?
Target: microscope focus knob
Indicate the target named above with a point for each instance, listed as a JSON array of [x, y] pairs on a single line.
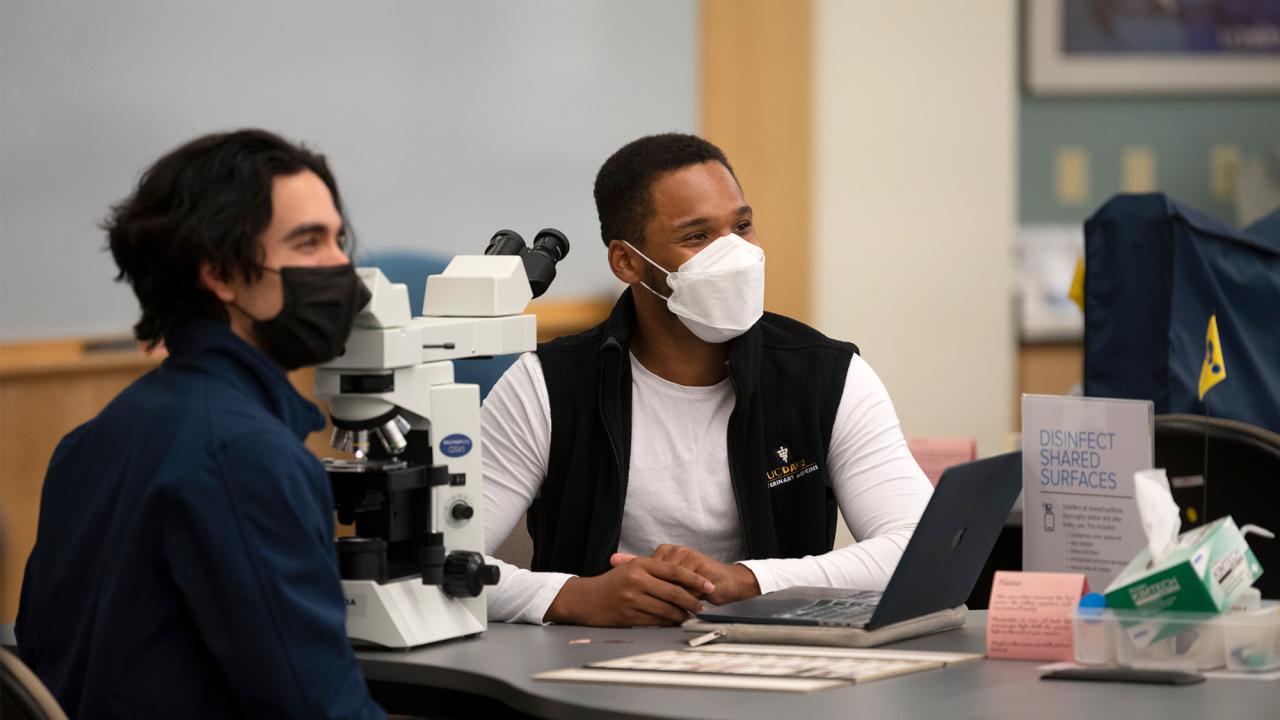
[[465, 574], [462, 511]]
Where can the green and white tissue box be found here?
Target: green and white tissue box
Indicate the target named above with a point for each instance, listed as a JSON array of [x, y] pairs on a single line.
[[1205, 571]]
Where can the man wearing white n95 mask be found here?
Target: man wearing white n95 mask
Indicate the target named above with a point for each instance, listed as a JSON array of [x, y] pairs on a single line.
[[692, 448]]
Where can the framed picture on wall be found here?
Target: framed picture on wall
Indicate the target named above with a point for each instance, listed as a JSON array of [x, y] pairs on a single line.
[[1152, 47]]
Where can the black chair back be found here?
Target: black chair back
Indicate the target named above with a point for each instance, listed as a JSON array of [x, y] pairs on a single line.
[[1223, 467], [22, 695]]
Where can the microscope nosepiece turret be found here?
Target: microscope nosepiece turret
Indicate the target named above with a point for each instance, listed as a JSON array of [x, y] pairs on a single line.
[[353, 436]]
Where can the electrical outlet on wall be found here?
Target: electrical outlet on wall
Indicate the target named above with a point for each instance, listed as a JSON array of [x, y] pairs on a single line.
[[1138, 169], [1224, 171], [1071, 175]]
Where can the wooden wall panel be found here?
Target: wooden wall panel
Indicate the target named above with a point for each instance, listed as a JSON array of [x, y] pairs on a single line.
[[38, 405], [1047, 369], [757, 106]]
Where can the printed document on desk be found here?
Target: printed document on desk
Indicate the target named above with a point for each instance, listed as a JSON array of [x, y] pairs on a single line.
[[759, 667]]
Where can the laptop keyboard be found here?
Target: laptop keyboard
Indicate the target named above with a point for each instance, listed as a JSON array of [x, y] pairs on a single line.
[[853, 609]]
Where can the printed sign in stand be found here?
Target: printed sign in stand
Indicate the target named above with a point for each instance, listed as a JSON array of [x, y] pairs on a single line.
[[1078, 460]]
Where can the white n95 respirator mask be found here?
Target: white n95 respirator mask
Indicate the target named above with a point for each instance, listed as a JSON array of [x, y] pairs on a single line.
[[719, 293]]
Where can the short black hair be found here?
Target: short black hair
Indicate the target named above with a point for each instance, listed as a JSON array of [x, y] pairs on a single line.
[[208, 201], [623, 200]]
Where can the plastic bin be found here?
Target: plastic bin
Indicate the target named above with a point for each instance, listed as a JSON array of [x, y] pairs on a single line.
[[1252, 640], [1169, 641], [1247, 641], [1094, 633], [1165, 641]]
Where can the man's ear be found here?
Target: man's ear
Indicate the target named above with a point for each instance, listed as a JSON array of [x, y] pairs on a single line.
[[624, 262], [211, 281]]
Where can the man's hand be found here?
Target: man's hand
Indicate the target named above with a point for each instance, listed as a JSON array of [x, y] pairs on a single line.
[[732, 581], [643, 592]]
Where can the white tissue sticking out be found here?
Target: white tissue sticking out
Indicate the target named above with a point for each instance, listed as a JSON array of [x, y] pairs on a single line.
[[1159, 513]]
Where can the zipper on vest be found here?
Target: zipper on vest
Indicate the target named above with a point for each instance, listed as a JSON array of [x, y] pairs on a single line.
[[733, 476], [613, 448]]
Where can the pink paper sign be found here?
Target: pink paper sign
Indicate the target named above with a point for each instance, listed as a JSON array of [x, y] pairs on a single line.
[[935, 454], [1030, 615]]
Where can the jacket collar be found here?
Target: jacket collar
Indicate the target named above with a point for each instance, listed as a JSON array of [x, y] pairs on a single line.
[[210, 346], [744, 351], [620, 324]]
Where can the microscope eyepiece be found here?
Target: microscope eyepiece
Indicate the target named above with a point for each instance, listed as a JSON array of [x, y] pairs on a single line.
[[550, 246], [505, 242]]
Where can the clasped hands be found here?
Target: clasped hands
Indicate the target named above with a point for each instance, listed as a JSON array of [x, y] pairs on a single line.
[[662, 589]]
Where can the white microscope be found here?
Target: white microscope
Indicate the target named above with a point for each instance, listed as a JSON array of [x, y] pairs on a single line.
[[414, 572]]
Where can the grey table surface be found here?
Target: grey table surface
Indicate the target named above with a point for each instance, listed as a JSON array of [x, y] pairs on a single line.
[[499, 665]]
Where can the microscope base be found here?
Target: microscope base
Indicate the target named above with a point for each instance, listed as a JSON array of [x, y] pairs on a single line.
[[405, 613]]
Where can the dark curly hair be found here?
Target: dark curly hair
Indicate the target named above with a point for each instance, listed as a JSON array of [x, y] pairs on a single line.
[[208, 201], [623, 200]]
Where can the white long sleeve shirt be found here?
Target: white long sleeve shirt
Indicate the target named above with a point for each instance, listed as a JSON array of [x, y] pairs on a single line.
[[880, 489]]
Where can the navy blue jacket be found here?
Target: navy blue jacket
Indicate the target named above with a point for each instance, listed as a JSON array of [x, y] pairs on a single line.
[[184, 562]]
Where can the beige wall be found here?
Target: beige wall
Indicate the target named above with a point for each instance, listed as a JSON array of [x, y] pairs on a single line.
[[914, 203]]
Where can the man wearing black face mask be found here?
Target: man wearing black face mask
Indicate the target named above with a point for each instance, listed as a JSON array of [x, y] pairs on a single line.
[[184, 562]]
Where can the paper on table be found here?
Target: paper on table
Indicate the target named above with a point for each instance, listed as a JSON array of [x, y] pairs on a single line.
[[713, 662], [671, 679], [932, 656], [1029, 617], [759, 667]]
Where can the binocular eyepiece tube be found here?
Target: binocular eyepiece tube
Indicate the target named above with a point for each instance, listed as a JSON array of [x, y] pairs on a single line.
[[550, 246]]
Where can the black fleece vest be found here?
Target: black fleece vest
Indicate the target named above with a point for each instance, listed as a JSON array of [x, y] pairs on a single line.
[[788, 379]]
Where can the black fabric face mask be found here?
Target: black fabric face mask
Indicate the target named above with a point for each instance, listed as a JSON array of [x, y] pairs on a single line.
[[320, 305]]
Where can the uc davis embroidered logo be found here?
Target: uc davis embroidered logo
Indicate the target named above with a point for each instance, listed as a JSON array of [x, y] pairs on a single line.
[[788, 470]]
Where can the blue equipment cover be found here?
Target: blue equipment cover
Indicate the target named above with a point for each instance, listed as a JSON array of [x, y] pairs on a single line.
[[1156, 273]]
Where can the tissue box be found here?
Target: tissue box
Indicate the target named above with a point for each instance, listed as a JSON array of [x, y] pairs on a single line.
[[1206, 571]]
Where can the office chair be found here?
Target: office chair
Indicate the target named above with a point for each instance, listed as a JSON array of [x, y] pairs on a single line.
[[1220, 467], [22, 695], [411, 268]]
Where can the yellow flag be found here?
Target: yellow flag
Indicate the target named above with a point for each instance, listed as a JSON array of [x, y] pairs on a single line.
[[1077, 284], [1214, 369]]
